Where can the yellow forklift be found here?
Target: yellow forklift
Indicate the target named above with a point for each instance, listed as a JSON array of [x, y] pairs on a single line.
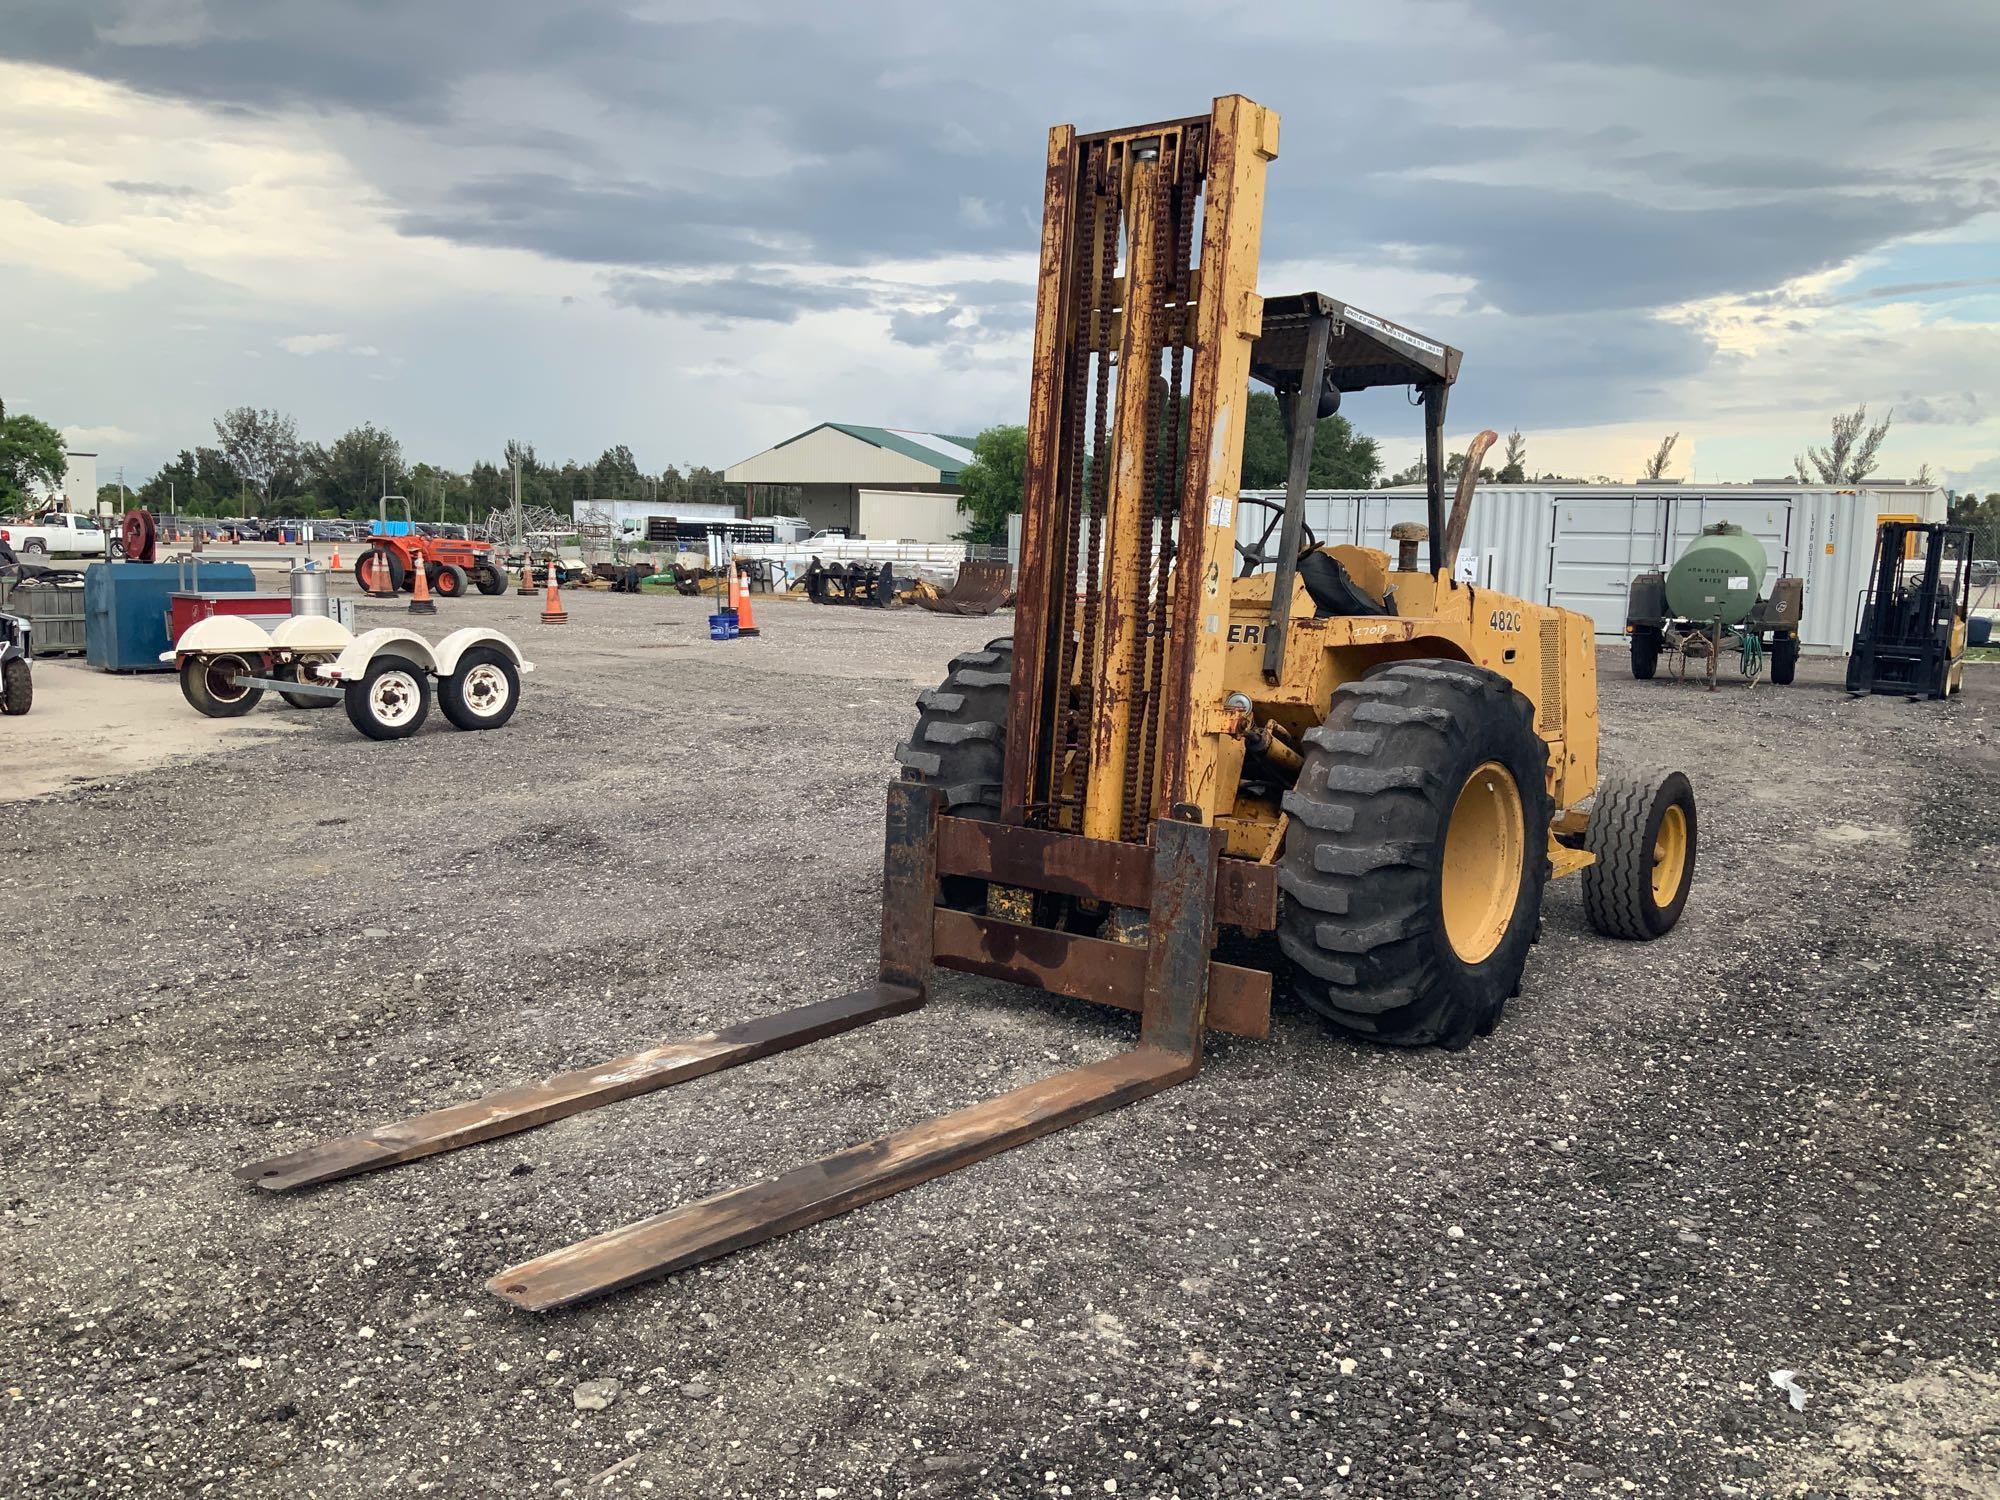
[[1214, 756]]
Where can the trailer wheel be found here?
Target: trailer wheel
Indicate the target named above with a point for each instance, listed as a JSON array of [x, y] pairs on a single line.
[[1645, 651], [17, 687], [364, 567], [1410, 884], [302, 671], [491, 579], [484, 692], [1644, 835], [391, 700], [960, 746], [207, 682], [1784, 659]]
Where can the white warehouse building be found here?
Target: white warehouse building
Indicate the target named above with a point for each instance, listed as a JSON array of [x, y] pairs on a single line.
[[1581, 545]]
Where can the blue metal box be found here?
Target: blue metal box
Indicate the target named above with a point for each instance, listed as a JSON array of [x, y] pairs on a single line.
[[125, 607]]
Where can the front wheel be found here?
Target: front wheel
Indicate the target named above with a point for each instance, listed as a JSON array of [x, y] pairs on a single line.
[[1413, 865], [17, 687], [484, 692], [391, 700], [959, 745], [1644, 835], [1784, 659], [1645, 651], [209, 685], [450, 581], [491, 579]]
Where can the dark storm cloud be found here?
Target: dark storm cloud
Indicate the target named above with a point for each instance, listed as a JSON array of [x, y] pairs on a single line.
[[922, 329], [745, 298], [1829, 41], [706, 148]]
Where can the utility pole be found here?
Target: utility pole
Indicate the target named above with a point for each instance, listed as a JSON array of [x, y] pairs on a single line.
[[520, 540]]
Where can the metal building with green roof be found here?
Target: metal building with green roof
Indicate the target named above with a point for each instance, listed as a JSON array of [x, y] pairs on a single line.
[[885, 483]]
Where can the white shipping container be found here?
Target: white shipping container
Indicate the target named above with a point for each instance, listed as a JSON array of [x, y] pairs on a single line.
[[1580, 546]]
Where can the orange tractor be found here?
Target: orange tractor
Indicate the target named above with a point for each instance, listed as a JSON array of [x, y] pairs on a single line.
[[451, 564]]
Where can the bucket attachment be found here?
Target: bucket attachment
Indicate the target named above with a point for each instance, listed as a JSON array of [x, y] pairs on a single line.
[[979, 589]]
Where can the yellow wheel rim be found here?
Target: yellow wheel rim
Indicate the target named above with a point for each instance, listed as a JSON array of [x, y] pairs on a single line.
[[1670, 855], [1483, 848]]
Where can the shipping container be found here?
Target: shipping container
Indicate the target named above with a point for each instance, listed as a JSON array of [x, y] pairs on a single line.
[[1580, 546]]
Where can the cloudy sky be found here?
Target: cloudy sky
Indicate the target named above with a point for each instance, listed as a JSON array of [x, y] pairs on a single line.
[[697, 227]]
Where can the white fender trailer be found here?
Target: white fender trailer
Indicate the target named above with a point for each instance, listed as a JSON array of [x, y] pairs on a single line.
[[387, 679]]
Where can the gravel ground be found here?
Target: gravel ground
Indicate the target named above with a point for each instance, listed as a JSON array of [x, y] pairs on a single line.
[[1563, 1262]]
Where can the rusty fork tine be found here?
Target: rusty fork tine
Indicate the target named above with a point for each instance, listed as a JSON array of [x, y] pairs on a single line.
[[745, 1216], [527, 1105]]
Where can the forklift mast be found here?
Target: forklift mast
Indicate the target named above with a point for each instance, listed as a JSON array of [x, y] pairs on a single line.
[[1135, 439]]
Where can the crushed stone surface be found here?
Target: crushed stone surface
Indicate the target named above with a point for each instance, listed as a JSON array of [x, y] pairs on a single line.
[[1565, 1261]]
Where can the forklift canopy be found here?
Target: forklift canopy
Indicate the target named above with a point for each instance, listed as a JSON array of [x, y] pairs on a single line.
[[1362, 350]]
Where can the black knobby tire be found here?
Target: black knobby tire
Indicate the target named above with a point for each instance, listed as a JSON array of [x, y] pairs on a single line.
[[1361, 920], [451, 581], [365, 710], [17, 687], [960, 746], [1784, 659], [1625, 833], [205, 684], [483, 691], [491, 579], [1645, 652], [364, 565]]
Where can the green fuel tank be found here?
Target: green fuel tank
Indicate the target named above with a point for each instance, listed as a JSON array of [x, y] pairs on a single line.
[[1718, 576]]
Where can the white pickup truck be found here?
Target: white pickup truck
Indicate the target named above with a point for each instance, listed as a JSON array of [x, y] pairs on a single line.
[[58, 531]]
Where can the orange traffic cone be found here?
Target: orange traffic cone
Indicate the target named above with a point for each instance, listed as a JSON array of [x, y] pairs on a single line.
[[746, 623], [527, 585], [381, 578], [421, 602], [553, 612], [335, 562]]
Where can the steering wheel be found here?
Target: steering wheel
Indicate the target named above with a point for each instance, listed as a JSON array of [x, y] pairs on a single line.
[[1257, 554]]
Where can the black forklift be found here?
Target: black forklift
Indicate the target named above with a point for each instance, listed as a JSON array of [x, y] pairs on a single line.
[[1910, 637]]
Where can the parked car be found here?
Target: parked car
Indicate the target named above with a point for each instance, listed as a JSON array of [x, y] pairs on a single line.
[[1984, 571]]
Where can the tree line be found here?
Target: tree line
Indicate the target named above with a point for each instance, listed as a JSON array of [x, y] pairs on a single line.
[[259, 465]]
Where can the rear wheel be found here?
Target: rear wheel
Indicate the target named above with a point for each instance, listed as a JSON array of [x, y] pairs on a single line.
[[17, 687], [483, 692], [208, 683], [1784, 659], [960, 746], [391, 699], [367, 565], [302, 671], [1645, 651], [1412, 871], [1644, 835]]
